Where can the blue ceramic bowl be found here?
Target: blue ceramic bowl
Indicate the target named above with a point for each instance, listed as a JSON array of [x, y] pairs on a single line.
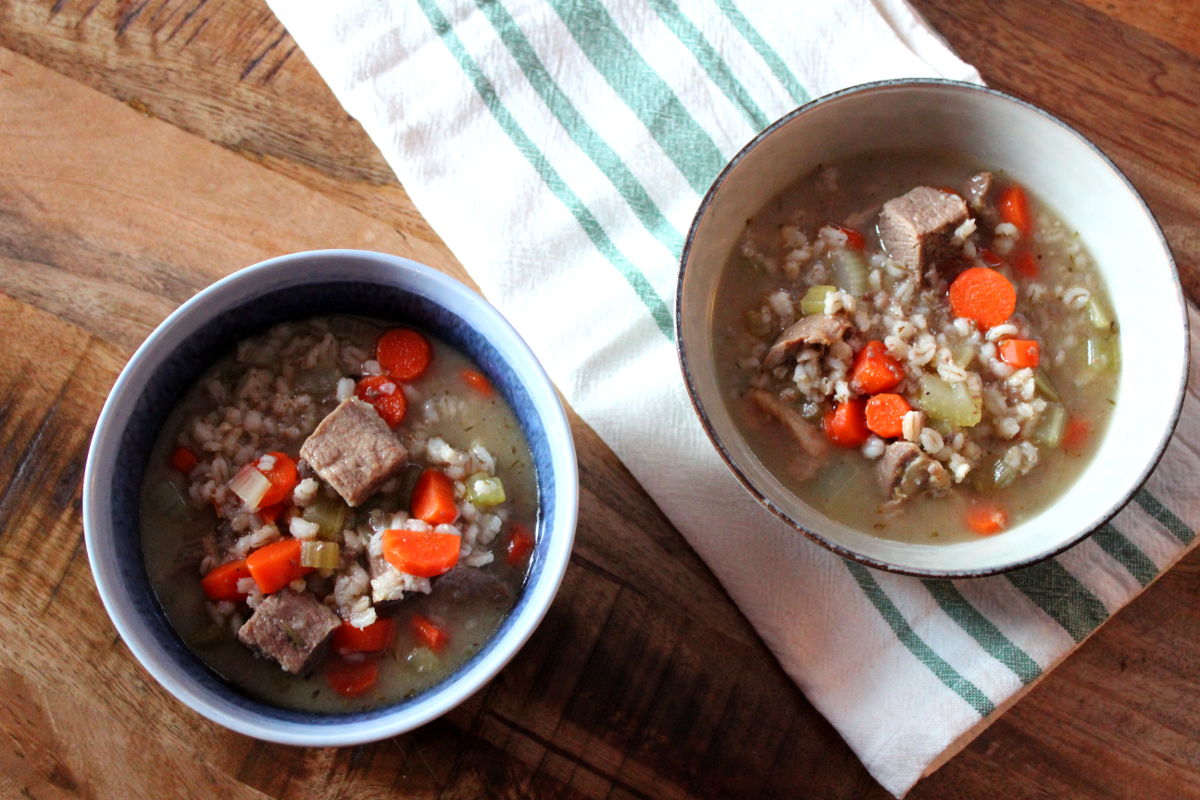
[[208, 325]]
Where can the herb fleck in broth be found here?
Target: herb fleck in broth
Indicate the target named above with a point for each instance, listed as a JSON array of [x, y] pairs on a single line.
[[787, 263]]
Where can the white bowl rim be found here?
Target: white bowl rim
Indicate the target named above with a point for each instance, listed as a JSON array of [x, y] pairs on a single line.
[[849, 553], [442, 697]]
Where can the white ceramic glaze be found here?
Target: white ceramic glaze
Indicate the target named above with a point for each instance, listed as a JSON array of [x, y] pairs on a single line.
[[1064, 170]]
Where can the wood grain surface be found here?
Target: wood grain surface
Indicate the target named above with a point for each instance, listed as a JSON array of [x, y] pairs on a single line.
[[149, 147]]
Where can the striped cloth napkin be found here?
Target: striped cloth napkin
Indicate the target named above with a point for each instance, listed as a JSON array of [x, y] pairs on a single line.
[[560, 148]]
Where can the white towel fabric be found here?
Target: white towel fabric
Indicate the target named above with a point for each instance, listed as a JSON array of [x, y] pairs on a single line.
[[560, 148]]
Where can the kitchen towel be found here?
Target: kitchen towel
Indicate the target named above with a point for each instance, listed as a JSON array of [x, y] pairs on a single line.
[[560, 148]]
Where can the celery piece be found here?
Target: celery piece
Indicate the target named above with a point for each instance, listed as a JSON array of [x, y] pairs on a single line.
[[484, 490], [328, 514], [963, 353], [1003, 474], [319, 555], [850, 271], [951, 402], [1045, 388], [814, 299], [1100, 316], [422, 660], [1050, 427], [1100, 353]]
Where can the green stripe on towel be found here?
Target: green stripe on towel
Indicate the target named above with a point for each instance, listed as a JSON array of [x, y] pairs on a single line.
[[685, 143], [584, 136], [708, 58], [776, 64], [983, 630], [1126, 553], [591, 226], [916, 645], [1156, 509], [1060, 594]]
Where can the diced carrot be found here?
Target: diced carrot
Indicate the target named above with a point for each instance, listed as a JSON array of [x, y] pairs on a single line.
[[1019, 352], [352, 678], [854, 239], [428, 634], [1013, 205], [846, 424], [283, 477], [1076, 434], [433, 498], [874, 370], [403, 353], [221, 582], [983, 295], [374, 638], [270, 513], [986, 517], [422, 553], [885, 414], [1026, 265], [385, 396], [276, 565], [183, 460], [990, 258], [477, 381], [519, 545]]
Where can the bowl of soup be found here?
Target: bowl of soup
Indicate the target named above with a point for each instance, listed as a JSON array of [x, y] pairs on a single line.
[[329, 498], [932, 327]]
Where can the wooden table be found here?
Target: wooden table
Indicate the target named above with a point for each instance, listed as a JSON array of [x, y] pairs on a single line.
[[148, 147]]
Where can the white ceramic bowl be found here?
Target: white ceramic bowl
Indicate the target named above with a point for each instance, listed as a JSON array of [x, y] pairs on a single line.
[[248, 302], [1066, 171]]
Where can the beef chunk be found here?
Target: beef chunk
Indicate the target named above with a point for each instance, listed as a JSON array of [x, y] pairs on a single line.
[[905, 472], [916, 227], [464, 584], [814, 329], [354, 451], [979, 195], [291, 628], [813, 445]]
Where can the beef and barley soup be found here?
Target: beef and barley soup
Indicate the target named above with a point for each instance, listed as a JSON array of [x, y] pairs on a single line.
[[916, 346], [338, 513]]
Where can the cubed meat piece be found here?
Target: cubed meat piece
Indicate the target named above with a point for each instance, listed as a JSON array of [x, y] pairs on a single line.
[[292, 628], [916, 227], [354, 451], [464, 584], [905, 472], [814, 329], [813, 445]]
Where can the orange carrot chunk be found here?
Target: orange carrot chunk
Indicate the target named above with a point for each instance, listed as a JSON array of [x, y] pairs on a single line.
[[352, 678], [1076, 434], [885, 414], [427, 634], [477, 381], [221, 582], [183, 460], [433, 498], [519, 545], [846, 425], [1026, 265], [874, 370], [990, 258], [276, 565], [374, 638], [403, 353], [983, 295], [986, 517], [1019, 352], [422, 553], [1013, 206], [385, 396], [283, 477]]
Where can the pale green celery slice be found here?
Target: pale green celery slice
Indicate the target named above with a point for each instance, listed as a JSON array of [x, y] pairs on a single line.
[[1044, 386], [813, 301], [328, 514], [484, 490], [319, 554], [951, 402], [850, 271], [1050, 427]]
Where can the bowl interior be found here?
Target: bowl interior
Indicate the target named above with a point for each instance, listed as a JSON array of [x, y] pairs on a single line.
[[211, 324], [1065, 171]]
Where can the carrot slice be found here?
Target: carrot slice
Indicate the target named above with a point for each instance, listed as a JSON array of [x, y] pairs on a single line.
[[403, 353], [433, 498], [276, 565], [846, 425], [282, 475], [874, 370], [1019, 352], [374, 638], [983, 295], [1013, 205], [885, 414], [422, 553], [986, 517], [385, 396], [221, 582], [183, 460], [428, 634], [519, 545], [352, 678], [1076, 434], [854, 239], [1026, 266], [990, 258], [270, 513], [477, 381]]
